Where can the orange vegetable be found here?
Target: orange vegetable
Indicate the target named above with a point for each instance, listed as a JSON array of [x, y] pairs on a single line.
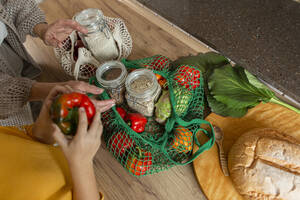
[[161, 80], [158, 76], [183, 140]]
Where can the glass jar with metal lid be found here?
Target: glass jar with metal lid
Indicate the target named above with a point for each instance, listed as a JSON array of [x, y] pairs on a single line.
[[99, 39], [142, 91], [111, 76]]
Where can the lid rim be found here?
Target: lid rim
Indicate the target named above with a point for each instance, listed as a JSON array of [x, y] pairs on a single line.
[[83, 17], [110, 65], [146, 93]]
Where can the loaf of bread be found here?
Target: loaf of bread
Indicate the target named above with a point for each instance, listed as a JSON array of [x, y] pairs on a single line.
[[265, 164]]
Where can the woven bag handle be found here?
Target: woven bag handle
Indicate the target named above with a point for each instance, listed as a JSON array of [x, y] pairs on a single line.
[[201, 149]]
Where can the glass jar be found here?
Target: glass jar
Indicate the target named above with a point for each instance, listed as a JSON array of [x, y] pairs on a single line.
[[99, 39], [142, 91], [111, 76]]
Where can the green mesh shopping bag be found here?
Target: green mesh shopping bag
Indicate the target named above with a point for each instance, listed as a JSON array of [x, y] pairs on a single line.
[[160, 147]]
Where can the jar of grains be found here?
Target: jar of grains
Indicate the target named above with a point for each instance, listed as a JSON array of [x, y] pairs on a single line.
[[142, 91], [111, 76], [99, 39]]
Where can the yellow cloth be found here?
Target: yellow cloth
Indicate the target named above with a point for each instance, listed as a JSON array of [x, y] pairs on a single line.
[[31, 170]]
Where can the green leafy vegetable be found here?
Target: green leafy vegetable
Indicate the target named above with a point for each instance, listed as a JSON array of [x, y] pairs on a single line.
[[205, 62], [254, 81], [163, 108], [182, 99], [230, 86], [223, 109], [230, 91]]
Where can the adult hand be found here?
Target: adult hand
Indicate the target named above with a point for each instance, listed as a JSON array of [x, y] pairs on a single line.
[[84, 87], [54, 34], [80, 152], [44, 127], [86, 142], [40, 91]]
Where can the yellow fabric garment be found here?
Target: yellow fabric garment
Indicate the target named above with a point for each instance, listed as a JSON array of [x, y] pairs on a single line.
[[31, 170]]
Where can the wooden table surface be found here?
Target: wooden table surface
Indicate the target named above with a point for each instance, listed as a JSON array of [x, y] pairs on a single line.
[[151, 35]]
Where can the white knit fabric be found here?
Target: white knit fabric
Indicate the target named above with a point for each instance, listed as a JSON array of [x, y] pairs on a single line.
[[86, 65]]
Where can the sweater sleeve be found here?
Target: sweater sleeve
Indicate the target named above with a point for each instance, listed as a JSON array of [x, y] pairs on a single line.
[[25, 15], [14, 93]]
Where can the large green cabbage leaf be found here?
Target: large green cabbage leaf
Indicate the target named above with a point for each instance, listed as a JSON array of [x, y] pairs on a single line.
[[231, 87]]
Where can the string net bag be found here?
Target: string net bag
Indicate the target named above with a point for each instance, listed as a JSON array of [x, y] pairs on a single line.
[[76, 59], [160, 147]]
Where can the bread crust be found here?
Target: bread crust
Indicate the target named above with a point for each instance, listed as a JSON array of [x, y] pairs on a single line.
[[265, 164]]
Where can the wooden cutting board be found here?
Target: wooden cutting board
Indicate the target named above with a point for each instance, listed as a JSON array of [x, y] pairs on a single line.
[[207, 168]]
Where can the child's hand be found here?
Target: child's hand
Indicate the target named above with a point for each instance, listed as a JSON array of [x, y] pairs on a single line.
[[86, 142]]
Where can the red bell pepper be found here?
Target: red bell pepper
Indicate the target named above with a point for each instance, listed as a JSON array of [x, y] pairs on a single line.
[[136, 121], [64, 111], [105, 117], [140, 164], [121, 112], [120, 143], [188, 77]]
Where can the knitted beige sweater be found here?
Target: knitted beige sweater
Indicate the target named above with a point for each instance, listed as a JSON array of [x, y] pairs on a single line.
[[20, 17]]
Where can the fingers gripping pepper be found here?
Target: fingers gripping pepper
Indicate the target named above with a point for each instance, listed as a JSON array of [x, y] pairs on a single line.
[[136, 121], [64, 111]]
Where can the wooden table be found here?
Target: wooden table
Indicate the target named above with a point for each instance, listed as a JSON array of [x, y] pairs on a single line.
[[151, 35]]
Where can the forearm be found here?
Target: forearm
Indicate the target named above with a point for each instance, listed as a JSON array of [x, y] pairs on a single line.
[[84, 182], [39, 91]]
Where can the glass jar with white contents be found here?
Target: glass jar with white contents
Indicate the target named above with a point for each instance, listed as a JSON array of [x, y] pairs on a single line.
[[99, 39], [142, 91], [111, 76]]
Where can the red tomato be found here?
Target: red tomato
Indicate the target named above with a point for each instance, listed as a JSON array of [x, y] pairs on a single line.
[[139, 165], [188, 77]]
